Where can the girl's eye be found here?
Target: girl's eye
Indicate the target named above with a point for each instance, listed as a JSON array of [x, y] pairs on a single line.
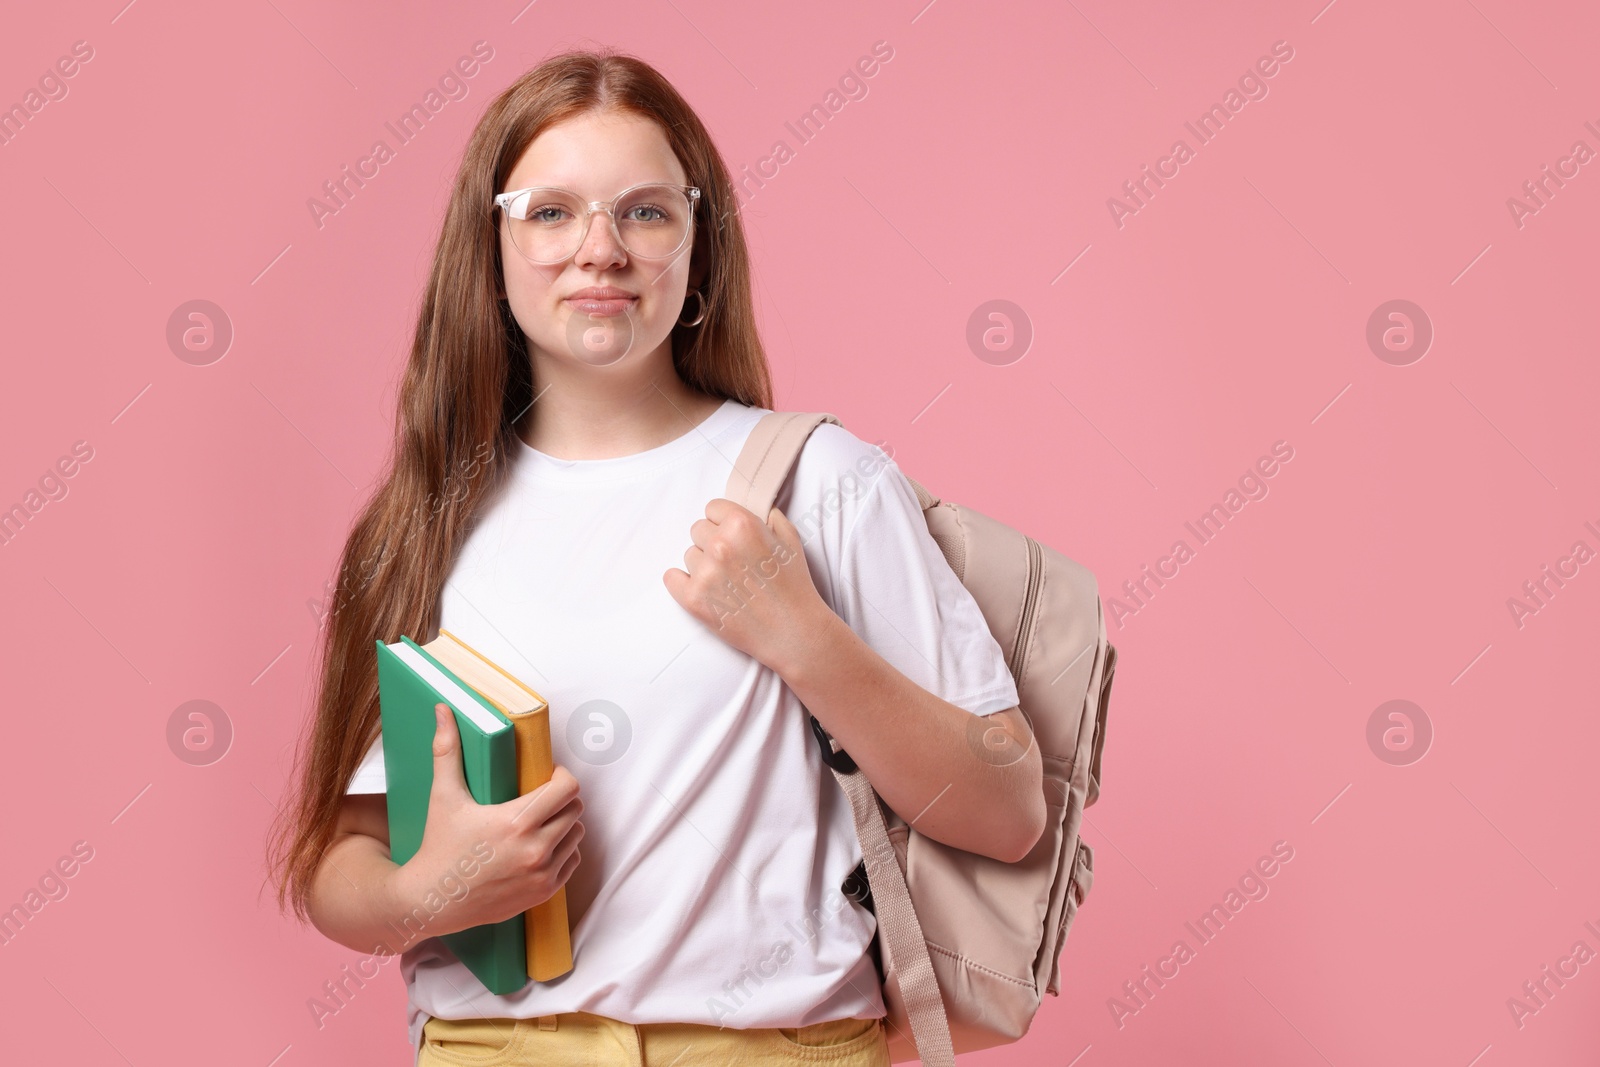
[[652, 213], [548, 213]]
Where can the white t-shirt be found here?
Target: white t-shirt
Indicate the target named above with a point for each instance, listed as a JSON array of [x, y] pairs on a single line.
[[716, 840]]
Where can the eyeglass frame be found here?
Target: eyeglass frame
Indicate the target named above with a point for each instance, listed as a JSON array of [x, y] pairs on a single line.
[[503, 202]]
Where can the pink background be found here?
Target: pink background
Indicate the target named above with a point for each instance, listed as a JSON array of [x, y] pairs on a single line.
[[1228, 313]]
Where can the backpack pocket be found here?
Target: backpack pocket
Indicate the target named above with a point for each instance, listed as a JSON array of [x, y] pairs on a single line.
[[1079, 884]]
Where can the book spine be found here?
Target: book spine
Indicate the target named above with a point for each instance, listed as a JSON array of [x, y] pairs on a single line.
[[548, 931]]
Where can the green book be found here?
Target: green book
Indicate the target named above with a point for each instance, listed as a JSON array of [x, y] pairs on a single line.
[[410, 683]]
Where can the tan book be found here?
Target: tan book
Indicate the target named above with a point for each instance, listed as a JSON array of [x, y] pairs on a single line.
[[549, 933]]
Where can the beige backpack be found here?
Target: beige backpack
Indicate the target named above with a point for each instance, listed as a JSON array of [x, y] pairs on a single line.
[[967, 943]]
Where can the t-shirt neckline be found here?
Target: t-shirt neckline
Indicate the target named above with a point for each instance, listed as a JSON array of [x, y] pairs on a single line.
[[543, 467]]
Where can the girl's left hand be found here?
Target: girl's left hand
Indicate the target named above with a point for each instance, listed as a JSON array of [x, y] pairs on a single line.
[[748, 581]]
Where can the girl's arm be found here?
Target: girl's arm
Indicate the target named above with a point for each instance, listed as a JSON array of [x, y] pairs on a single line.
[[478, 863], [354, 900], [972, 782]]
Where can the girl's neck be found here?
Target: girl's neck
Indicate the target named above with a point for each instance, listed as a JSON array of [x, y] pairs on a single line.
[[595, 413]]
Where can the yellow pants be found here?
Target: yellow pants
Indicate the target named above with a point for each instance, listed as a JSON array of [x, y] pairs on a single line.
[[596, 1041]]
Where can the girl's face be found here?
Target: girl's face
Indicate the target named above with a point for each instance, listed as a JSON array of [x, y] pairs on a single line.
[[597, 156]]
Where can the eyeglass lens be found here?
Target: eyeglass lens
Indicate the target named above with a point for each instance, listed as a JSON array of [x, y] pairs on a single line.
[[652, 222]]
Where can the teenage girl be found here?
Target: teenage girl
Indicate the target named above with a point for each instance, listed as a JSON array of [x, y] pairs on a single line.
[[584, 371]]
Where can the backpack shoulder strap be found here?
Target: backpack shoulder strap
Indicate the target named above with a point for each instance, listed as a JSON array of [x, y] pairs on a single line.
[[769, 454], [759, 473], [900, 932]]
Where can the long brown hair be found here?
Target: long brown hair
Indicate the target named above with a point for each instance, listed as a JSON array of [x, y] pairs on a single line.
[[466, 383]]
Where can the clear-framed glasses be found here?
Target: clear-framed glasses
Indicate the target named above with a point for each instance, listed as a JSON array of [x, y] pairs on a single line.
[[548, 224]]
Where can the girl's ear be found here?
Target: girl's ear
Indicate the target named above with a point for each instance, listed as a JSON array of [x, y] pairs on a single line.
[[699, 257]]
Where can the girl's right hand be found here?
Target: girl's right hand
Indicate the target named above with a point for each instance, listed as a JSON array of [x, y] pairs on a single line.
[[524, 849]]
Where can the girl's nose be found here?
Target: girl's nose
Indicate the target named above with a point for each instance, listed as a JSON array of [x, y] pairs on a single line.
[[601, 243]]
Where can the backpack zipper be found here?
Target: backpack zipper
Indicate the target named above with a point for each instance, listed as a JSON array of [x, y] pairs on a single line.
[[1030, 601]]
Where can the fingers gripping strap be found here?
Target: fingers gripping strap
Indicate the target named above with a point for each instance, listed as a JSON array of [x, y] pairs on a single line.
[[898, 927], [769, 453]]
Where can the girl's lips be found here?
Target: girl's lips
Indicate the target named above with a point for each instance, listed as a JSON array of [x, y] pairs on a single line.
[[601, 307]]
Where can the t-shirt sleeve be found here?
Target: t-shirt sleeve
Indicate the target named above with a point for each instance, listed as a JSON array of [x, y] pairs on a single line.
[[897, 591], [370, 776]]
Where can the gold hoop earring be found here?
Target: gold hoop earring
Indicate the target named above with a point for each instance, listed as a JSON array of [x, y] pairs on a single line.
[[699, 318]]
